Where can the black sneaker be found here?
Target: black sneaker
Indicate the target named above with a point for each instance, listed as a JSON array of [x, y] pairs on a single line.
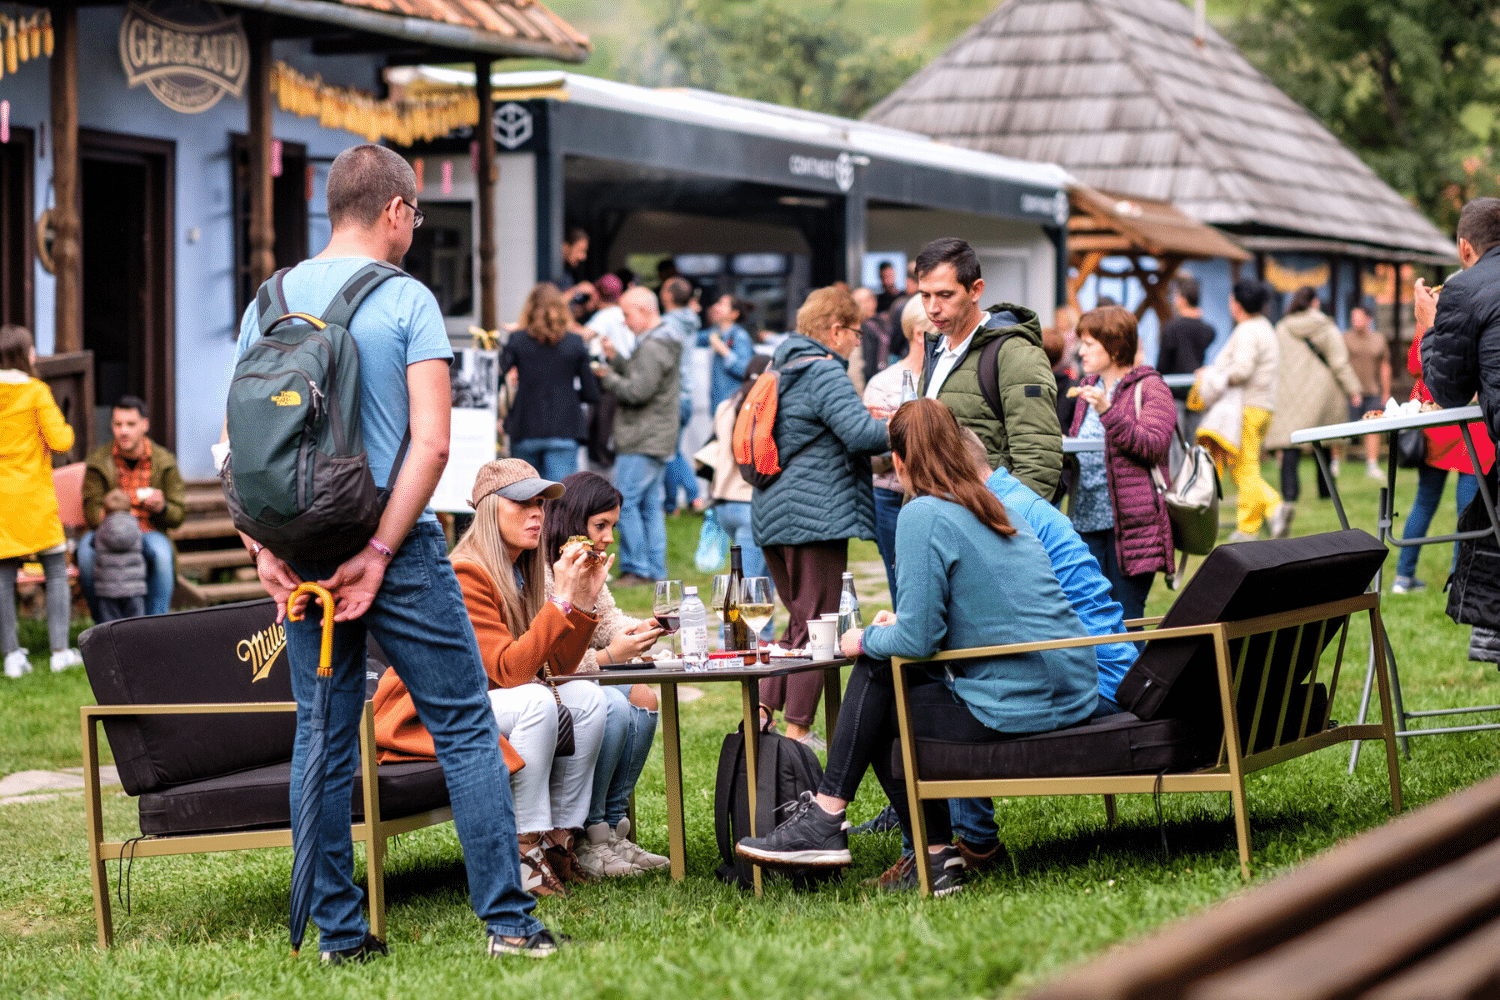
[[809, 838], [946, 870], [539, 945], [982, 858], [884, 820], [370, 947]]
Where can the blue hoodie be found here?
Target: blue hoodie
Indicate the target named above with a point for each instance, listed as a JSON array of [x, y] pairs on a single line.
[[1077, 571]]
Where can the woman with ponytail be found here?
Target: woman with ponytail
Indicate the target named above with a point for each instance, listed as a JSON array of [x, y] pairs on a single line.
[[968, 575]]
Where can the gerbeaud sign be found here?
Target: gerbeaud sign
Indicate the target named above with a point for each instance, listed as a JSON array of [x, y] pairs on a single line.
[[186, 53]]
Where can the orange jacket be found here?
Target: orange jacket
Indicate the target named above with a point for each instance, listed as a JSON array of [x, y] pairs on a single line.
[[510, 661]]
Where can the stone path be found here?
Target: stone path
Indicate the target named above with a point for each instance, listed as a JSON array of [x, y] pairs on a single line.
[[43, 786]]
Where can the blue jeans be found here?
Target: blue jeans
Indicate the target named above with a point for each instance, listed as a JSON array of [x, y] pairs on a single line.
[[161, 572], [1430, 484], [554, 458], [887, 509], [679, 470], [643, 529], [734, 516], [628, 732], [418, 618]]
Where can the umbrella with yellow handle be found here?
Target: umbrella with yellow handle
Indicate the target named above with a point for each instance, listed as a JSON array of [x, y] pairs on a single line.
[[310, 800]]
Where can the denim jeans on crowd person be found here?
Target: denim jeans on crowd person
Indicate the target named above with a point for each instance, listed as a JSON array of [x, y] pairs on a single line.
[[418, 618], [679, 470], [1430, 485], [161, 572], [553, 458], [734, 518], [628, 732], [887, 509], [643, 531], [1129, 590]]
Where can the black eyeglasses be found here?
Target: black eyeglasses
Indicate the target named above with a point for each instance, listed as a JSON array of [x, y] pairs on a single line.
[[417, 215]]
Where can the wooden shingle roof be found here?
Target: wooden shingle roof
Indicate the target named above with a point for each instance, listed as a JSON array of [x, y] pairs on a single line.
[[525, 20], [1120, 93]]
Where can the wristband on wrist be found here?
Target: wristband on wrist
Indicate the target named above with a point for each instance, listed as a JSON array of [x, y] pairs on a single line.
[[566, 607], [381, 547], [255, 549]]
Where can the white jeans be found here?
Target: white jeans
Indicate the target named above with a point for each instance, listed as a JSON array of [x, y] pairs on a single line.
[[551, 793]]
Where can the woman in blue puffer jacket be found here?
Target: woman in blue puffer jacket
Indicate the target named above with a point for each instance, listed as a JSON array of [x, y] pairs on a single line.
[[804, 520]]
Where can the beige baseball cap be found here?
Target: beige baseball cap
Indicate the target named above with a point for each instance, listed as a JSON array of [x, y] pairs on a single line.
[[514, 479]]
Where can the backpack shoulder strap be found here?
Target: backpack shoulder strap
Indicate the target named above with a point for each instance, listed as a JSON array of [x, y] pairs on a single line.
[[270, 302], [346, 300], [989, 373]]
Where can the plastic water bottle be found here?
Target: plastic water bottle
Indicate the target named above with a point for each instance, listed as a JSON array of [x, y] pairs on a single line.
[[849, 616], [908, 386], [694, 630]]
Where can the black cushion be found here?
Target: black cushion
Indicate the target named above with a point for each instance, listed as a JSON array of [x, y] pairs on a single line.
[[227, 653], [260, 798], [1116, 744], [1176, 678]]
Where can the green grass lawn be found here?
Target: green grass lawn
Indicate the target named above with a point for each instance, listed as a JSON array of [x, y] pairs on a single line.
[[214, 925]]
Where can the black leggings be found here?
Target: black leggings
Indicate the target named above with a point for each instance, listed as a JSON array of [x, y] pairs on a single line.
[[1291, 482], [867, 733]]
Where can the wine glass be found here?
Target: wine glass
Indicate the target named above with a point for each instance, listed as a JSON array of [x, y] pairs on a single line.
[[756, 606], [667, 607], [716, 602]]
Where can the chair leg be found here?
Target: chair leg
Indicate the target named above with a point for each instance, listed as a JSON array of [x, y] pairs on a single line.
[[374, 835], [1111, 816], [98, 873], [1389, 717], [1242, 826], [907, 736]]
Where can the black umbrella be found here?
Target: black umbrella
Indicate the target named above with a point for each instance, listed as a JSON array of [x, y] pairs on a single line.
[[309, 813]]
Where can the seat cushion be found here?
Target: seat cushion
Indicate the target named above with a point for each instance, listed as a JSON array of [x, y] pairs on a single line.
[[260, 798], [1117, 744]]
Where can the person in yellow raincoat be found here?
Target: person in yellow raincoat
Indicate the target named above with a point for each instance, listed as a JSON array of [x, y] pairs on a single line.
[[31, 428]]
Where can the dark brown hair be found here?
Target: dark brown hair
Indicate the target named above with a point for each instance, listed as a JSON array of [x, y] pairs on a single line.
[[1114, 328], [926, 436], [949, 250], [1303, 299], [545, 316], [15, 349], [588, 493], [363, 180], [1479, 223]]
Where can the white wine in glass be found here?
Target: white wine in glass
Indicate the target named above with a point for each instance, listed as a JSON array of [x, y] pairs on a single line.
[[756, 606]]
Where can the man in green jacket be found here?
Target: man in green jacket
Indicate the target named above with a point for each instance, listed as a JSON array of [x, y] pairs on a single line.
[[1023, 436], [147, 474], [646, 426]]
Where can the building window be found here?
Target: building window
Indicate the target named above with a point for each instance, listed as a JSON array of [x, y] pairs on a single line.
[[442, 255], [289, 197], [17, 238]]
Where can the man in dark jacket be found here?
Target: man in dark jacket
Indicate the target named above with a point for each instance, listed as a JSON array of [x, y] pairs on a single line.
[[646, 427], [1023, 434]]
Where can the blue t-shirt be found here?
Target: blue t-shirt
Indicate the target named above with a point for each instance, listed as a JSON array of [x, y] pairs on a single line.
[[397, 325], [1078, 572]]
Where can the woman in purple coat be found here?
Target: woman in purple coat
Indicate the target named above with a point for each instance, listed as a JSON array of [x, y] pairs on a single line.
[[1116, 506]]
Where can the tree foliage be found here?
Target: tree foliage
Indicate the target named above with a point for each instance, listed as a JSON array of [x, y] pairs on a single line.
[[1413, 86], [778, 51]]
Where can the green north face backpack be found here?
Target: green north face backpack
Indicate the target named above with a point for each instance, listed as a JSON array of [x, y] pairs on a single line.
[[298, 480]]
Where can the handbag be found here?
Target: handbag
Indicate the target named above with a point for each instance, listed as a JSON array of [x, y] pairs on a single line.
[[1411, 448], [713, 544], [1192, 498], [566, 746]]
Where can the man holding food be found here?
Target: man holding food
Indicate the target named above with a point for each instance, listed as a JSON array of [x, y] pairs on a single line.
[[146, 473]]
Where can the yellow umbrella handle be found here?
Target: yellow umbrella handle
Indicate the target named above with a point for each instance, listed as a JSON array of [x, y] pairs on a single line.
[[321, 594]]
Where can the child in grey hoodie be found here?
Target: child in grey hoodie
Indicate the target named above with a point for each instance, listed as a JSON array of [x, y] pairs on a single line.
[[119, 563]]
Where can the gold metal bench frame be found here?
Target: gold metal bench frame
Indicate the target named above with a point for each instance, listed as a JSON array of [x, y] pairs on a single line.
[[373, 832], [1235, 757]]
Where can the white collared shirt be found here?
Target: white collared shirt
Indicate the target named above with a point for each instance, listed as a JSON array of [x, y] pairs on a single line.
[[947, 360]]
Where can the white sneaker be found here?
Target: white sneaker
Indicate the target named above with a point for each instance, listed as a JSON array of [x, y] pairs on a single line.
[[597, 857], [63, 659], [1372, 471], [17, 664], [1280, 521], [625, 848], [1333, 466]]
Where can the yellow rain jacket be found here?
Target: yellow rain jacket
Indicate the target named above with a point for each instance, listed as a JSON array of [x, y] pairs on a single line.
[[31, 428]]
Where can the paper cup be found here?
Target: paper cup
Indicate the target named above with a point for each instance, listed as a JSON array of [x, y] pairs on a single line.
[[822, 637]]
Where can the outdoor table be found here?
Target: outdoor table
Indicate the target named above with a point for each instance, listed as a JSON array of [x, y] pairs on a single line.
[[1072, 446], [1391, 427], [749, 678]]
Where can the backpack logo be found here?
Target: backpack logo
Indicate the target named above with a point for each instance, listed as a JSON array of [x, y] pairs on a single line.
[[287, 397]]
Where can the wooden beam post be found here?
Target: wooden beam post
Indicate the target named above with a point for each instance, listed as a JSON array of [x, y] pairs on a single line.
[[67, 247], [489, 313], [261, 131], [1085, 264]]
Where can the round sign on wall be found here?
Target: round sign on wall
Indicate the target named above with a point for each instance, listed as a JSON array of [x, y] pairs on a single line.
[[187, 53]]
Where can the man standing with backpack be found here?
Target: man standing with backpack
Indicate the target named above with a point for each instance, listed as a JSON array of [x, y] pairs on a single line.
[[399, 585], [989, 369]]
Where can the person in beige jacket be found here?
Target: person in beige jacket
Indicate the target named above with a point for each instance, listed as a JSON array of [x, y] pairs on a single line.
[[1316, 387], [1248, 361]]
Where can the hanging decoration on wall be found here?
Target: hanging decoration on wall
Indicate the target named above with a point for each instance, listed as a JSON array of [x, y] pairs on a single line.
[[186, 53], [23, 39], [401, 121], [1287, 279]]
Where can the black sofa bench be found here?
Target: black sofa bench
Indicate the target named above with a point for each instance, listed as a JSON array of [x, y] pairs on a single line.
[[198, 710]]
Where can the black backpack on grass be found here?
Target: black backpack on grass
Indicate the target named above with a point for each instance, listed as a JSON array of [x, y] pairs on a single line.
[[787, 769], [298, 479]]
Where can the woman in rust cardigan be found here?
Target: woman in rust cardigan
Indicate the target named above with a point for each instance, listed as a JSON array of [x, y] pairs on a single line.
[[523, 637]]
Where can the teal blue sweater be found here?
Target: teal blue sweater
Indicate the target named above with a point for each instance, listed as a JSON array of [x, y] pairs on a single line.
[[961, 585]]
